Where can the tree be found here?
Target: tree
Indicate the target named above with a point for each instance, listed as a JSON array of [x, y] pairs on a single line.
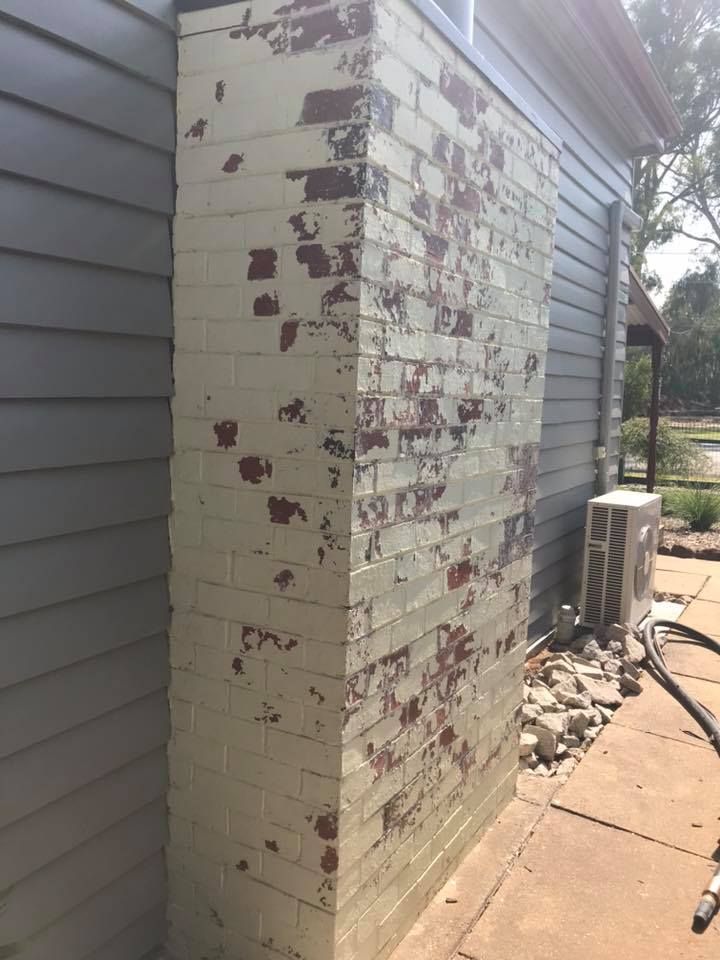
[[638, 384], [679, 192], [691, 372]]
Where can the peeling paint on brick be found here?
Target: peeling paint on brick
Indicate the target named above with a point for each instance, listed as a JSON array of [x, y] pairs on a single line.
[[226, 432], [263, 264], [255, 469], [233, 163], [197, 130], [375, 319], [266, 305]]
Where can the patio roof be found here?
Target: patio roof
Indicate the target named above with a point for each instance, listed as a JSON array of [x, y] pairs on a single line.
[[645, 323]]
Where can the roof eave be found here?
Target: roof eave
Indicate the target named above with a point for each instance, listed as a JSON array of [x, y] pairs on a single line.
[[606, 52]]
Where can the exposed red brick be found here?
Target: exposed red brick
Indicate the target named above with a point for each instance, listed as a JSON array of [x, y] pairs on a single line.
[[282, 510], [460, 94], [254, 469], [263, 264], [266, 305], [226, 432], [233, 162], [331, 26], [288, 334]]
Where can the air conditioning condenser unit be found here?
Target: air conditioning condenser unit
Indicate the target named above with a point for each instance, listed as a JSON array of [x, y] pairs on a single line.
[[621, 541]]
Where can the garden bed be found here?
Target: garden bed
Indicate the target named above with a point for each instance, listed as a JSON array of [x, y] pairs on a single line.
[[679, 540]]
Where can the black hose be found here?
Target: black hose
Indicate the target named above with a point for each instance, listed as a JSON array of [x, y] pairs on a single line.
[[657, 666], [705, 718]]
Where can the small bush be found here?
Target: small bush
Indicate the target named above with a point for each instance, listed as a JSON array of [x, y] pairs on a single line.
[[699, 508], [677, 455], [638, 385], [667, 494]]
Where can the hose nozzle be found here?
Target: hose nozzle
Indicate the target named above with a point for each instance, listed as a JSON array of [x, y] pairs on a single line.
[[708, 904]]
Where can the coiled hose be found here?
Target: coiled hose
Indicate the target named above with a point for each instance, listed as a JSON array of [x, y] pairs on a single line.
[[658, 669]]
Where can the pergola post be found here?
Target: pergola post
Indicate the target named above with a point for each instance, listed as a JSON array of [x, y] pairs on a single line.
[[657, 347]]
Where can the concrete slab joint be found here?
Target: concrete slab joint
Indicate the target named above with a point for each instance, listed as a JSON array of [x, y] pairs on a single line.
[[363, 248]]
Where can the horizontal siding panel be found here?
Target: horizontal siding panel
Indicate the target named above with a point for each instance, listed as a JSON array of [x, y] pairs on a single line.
[[51, 75], [51, 769], [554, 552], [567, 341], [559, 458], [559, 365], [561, 480], [74, 432], [35, 220], [57, 150], [567, 522], [106, 30], [163, 11], [556, 411], [575, 245], [564, 291], [103, 916], [599, 194], [579, 272], [55, 637], [137, 939], [582, 194], [59, 363], [554, 506], [571, 317], [563, 434], [46, 572], [53, 294], [86, 192], [53, 831], [38, 709], [561, 579], [47, 895], [577, 226], [50, 503], [572, 388]]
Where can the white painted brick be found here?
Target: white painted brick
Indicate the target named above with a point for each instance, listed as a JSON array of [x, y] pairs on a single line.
[[388, 365]]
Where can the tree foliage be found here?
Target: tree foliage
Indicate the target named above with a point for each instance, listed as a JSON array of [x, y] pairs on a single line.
[[691, 371], [638, 384], [679, 192], [677, 455]]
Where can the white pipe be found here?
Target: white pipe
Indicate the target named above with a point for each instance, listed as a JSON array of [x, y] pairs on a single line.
[[621, 218], [462, 14]]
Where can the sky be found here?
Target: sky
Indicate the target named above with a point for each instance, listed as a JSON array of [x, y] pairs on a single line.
[[671, 261]]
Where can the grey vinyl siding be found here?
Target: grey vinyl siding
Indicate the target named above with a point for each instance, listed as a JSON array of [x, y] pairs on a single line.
[[595, 171], [86, 195]]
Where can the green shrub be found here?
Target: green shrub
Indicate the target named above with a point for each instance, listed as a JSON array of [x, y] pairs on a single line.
[[638, 382], [667, 494], [699, 508], [677, 455]]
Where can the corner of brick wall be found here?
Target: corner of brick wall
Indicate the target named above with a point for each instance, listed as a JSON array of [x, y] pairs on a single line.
[[363, 248]]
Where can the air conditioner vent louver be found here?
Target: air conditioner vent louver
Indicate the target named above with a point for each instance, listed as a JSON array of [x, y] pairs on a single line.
[[615, 566], [619, 563], [599, 524], [593, 593]]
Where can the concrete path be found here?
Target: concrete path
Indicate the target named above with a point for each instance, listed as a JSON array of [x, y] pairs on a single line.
[[612, 863]]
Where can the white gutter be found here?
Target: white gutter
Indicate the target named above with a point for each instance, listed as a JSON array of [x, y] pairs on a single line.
[[622, 218]]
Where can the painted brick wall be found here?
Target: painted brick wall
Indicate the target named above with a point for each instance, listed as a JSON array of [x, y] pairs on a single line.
[[362, 254]]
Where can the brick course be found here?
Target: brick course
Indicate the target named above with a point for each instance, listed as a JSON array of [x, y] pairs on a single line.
[[363, 248]]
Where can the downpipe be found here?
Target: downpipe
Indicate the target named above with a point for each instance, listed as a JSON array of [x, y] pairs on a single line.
[[621, 219], [659, 670]]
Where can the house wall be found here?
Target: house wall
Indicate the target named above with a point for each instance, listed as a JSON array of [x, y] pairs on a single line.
[[362, 258], [87, 109], [595, 170]]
